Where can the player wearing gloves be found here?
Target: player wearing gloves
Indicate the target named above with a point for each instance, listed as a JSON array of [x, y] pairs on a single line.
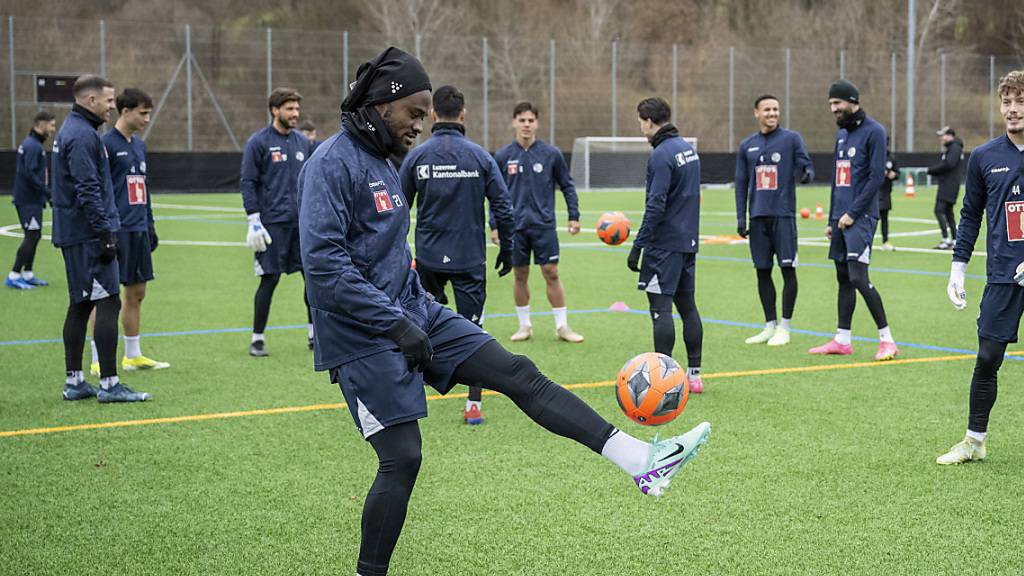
[[995, 181], [767, 165], [382, 337], [669, 236], [31, 194], [270, 168]]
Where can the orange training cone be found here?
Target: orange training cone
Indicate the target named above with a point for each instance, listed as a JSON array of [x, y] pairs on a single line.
[[818, 212], [910, 185]]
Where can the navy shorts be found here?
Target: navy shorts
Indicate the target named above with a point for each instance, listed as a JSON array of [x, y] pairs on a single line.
[[282, 255], [664, 272], [30, 216], [88, 278], [379, 389], [771, 238], [1001, 309], [469, 286], [542, 242], [853, 243], [134, 257]]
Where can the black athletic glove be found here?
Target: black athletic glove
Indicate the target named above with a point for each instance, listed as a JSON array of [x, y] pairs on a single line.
[[742, 231], [154, 241], [634, 258], [503, 263], [807, 177], [108, 246], [413, 343]]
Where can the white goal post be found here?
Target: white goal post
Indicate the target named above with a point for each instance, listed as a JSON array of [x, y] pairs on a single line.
[[611, 162]]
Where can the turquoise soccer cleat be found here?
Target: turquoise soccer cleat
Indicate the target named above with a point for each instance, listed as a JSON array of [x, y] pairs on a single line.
[[667, 457]]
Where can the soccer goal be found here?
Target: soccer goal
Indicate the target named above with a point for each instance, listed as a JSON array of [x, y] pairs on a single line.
[[607, 162]]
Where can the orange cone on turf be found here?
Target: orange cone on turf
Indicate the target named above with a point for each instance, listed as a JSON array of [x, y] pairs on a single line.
[[910, 185], [818, 212]]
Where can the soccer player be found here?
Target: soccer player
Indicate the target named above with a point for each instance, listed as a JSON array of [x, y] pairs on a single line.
[[85, 227], [382, 338], [136, 241], [447, 179], [531, 168], [947, 172], [669, 236], [853, 216], [767, 165], [270, 169], [995, 181], [892, 174], [31, 193]]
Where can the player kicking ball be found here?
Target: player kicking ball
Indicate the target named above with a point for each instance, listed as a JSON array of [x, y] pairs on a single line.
[[853, 216], [381, 336], [669, 236], [767, 165], [995, 181]]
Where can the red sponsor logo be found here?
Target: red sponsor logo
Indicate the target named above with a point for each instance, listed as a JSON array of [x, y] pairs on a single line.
[[512, 168], [276, 156], [767, 177], [843, 173], [1014, 221], [382, 201], [136, 189]]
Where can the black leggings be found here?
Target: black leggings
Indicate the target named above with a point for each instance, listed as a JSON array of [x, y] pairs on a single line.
[[665, 326], [853, 278], [26, 255], [883, 217], [399, 447], [944, 214], [104, 332], [265, 295], [983, 384], [766, 292]]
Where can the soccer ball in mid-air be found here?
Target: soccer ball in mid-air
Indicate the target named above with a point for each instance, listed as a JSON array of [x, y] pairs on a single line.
[[613, 228], [652, 389]]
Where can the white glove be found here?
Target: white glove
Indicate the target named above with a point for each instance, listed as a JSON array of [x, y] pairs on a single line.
[[258, 238], [955, 289]]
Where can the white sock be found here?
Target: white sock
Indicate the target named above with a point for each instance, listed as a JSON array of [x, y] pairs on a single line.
[[74, 378], [693, 373], [979, 436], [28, 275], [257, 337], [309, 330], [785, 324], [478, 403], [95, 352], [561, 317], [523, 312], [12, 276], [626, 452], [770, 325], [132, 348], [844, 337], [885, 335], [109, 382]]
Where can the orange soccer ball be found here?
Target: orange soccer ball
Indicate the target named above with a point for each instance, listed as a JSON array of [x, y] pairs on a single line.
[[805, 213], [613, 228], [652, 389]]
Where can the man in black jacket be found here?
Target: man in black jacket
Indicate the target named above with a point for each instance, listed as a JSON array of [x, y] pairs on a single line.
[[947, 173]]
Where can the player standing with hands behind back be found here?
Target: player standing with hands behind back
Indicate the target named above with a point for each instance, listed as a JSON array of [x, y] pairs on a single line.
[[995, 187], [531, 168]]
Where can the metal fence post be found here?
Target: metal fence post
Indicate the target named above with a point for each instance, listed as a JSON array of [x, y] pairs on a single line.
[[103, 48], [842, 64], [10, 60], [675, 83], [419, 42], [942, 89], [892, 102], [615, 96], [188, 87], [270, 66], [344, 64], [551, 93], [991, 96], [732, 94], [911, 35], [487, 127], [789, 81]]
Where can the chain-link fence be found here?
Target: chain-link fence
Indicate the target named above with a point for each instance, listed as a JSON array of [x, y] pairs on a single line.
[[210, 83]]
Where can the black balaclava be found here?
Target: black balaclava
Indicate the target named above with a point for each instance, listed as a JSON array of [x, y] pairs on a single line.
[[391, 75], [664, 133]]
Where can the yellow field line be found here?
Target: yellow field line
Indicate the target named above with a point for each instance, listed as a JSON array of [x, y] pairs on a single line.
[[342, 405]]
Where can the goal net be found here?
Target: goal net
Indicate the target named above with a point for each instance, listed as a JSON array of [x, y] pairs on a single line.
[[605, 162]]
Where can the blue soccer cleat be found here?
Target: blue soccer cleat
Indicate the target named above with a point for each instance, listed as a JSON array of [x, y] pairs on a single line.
[[35, 281], [121, 393], [81, 391], [18, 284], [667, 457]]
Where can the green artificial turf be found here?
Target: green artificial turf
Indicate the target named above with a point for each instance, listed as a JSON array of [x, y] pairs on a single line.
[[820, 472]]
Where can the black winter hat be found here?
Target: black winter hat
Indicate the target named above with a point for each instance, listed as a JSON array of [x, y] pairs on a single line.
[[844, 90]]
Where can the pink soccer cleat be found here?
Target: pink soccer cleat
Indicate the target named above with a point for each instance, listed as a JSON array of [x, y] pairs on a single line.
[[886, 351], [696, 386], [833, 347]]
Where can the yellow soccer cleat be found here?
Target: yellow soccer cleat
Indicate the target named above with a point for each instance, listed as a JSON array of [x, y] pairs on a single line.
[[94, 369], [142, 363], [967, 450]]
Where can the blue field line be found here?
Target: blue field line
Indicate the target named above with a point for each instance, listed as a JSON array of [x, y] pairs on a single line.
[[513, 315]]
